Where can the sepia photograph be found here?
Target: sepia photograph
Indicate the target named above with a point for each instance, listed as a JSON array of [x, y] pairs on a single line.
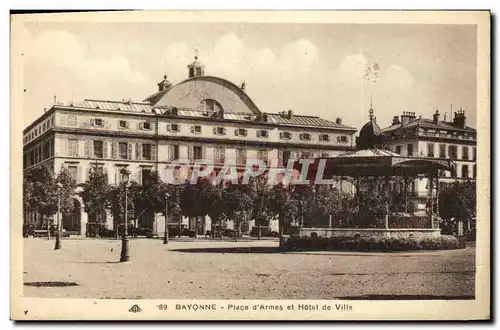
[[250, 165]]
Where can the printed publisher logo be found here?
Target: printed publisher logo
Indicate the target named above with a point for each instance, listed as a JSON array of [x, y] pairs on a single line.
[[135, 309]]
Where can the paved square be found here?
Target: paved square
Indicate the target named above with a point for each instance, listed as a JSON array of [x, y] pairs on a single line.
[[239, 270]]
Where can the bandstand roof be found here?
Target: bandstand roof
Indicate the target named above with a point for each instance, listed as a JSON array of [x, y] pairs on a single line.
[[378, 162]]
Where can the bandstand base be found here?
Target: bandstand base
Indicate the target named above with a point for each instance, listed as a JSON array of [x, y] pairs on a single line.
[[416, 233]]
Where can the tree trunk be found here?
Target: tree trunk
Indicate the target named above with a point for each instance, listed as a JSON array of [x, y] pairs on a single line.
[[258, 232], [280, 229]]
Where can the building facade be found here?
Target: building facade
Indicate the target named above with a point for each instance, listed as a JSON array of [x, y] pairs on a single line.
[[202, 117], [435, 138]]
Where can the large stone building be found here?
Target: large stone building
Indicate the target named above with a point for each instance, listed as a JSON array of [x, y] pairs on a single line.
[[421, 137], [202, 117]]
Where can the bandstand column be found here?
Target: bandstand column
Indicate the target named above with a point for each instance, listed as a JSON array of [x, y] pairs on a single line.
[[431, 204]]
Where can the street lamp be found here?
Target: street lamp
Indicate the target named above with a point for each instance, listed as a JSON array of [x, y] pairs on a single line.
[[124, 257], [301, 213], [165, 238], [58, 236]]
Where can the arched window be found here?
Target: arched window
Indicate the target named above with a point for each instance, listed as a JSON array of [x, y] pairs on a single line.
[[210, 105]]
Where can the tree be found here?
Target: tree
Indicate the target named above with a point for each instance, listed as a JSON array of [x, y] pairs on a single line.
[[238, 205], [67, 190], [150, 196], [115, 202], [95, 194], [458, 201], [259, 192], [282, 204], [41, 193]]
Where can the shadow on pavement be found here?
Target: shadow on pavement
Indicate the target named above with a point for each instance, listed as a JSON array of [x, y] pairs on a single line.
[[406, 297], [256, 249], [50, 284]]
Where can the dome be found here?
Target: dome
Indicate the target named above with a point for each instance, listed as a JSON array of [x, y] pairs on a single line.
[[370, 135], [369, 130]]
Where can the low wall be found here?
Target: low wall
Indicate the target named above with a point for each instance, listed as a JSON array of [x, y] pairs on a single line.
[[418, 233]]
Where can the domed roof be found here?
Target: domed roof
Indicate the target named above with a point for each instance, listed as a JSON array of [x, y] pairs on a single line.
[[370, 129], [370, 135]]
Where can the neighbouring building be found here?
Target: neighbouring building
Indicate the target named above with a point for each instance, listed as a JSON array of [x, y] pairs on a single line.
[[436, 138], [202, 117]]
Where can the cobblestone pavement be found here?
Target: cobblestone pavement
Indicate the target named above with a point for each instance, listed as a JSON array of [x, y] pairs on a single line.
[[239, 270]]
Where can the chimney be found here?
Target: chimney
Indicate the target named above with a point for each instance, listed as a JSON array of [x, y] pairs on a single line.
[[412, 116], [459, 119], [395, 120], [405, 118], [435, 118], [338, 121], [290, 114]]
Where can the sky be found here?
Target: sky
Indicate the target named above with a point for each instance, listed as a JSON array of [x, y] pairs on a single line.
[[312, 69]]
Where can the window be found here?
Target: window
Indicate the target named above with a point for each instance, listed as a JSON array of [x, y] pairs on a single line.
[[324, 137], [474, 153], [262, 155], [146, 125], [305, 136], [197, 152], [452, 152], [25, 160], [51, 148], [305, 155], [146, 151], [46, 150], [122, 124], [219, 131], [175, 152], [465, 153], [342, 139], [285, 135], [465, 171], [325, 154], [240, 132], [442, 151], [241, 156], [122, 150], [73, 172], [219, 155], [410, 149], [474, 171], [262, 133], [145, 175], [71, 121], [286, 157], [98, 149], [98, 122], [196, 129], [43, 127], [52, 122], [430, 149], [173, 127], [398, 150], [73, 148], [210, 105]]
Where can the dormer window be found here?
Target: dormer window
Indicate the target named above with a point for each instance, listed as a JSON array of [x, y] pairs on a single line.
[[122, 124], [324, 137], [262, 133], [219, 131], [305, 137], [240, 132], [196, 129], [97, 122], [210, 105], [342, 139], [285, 135], [146, 126], [173, 128]]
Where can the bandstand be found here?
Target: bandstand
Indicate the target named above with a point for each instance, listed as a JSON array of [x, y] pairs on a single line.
[[372, 162]]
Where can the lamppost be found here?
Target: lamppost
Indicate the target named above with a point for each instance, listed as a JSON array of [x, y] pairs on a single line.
[[165, 237], [57, 246], [124, 257]]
